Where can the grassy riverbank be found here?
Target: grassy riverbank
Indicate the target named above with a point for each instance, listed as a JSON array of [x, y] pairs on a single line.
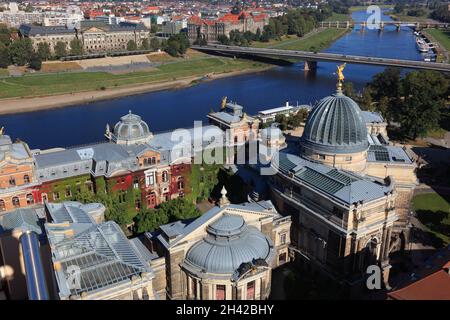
[[442, 37], [313, 42], [434, 212], [32, 85]]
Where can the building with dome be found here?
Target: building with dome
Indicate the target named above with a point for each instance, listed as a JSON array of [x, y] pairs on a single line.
[[335, 134], [228, 253], [131, 129], [348, 191]]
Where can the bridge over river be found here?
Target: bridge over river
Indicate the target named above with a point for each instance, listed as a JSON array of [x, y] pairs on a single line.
[[380, 25], [311, 58]]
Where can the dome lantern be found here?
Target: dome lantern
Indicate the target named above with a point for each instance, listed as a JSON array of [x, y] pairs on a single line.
[[131, 129]]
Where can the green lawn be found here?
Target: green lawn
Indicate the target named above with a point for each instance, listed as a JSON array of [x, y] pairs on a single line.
[[48, 84], [339, 17], [442, 36], [4, 72], [364, 8], [315, 42], [434, 212]]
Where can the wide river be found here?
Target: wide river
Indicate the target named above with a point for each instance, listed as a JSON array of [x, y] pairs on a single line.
[[171, 109]]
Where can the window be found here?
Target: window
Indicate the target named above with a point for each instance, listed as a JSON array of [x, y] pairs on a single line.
[[282, 258], [150, 179], [180, 183], [136, 183], [283, 238], [2, 205], [55, 195], [137, 204], [151, 199], [348, 158], [321, 156], [89, 186], [12, 181], [68, 192], [26, 178], [220, 292], [16, 202], [30, 199], [165, 176], [122, 197], [194, 289], [251, 290]]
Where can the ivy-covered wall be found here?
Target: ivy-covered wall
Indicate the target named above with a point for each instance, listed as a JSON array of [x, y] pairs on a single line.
[[60, 187], [201, 181]]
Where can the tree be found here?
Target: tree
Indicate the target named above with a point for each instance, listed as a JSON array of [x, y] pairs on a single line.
[[179, 209], [145, 45], [4, 56], [35, 61], [425, 94], [154, 44], [149, 220], [60, 49], [366, 99], [76, 47], [5, 35], [349, 90], [43, 51], [20, 51], [131, 46], [173, 210], [177, 45]]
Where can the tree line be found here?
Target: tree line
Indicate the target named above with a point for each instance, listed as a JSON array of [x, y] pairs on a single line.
[[296, 22], [415, 103]]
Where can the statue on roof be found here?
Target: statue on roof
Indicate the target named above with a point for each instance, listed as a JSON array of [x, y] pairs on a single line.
[[340, 74], [224, 103]]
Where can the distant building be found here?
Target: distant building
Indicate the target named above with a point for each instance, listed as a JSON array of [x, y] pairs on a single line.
[[228, 253], [171, 27], [287, 110], [211, 29], [96, 36]]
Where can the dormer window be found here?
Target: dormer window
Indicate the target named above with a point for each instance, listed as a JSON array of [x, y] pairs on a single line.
[[26, 178]]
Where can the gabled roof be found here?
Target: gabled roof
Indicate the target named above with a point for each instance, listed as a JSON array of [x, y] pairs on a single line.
[[435, 286], [20, 219]]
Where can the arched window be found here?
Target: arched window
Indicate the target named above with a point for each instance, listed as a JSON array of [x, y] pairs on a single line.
[[180, 183], [26, 178], [30, 199], [2, 205], [165, 176], [12, 181], [16, 202]]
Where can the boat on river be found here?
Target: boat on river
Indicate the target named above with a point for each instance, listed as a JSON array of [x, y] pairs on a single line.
[[422, 46]]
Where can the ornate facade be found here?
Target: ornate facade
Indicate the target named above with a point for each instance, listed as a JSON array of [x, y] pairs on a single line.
[[348, 190], [226, 254], [95, 36], [210, 30]]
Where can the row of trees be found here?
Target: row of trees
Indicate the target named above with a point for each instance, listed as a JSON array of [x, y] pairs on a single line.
[[295, 22], [293, 121], [417, 101]]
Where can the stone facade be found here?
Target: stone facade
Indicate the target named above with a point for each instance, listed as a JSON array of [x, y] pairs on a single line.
[[210, 30], [176, 243]]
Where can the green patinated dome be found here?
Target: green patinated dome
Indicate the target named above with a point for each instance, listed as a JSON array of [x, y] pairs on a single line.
[[335, 125]]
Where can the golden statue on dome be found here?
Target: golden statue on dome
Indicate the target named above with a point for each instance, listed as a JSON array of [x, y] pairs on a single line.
[[340, 74]]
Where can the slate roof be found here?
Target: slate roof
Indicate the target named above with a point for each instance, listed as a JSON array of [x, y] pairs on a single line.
[[25, 219], [391, 154], [339, 184], [335, 125]]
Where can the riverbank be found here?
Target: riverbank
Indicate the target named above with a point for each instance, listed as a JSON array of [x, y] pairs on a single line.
[[442, 38], [20, 105], [39, 85], [316, 40]]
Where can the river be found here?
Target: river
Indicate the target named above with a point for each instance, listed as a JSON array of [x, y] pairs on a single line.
[[170, 109]]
